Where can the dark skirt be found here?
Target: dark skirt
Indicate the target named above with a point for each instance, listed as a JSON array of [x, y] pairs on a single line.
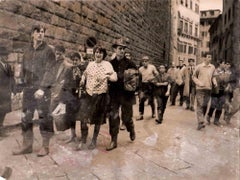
[[93, 108]]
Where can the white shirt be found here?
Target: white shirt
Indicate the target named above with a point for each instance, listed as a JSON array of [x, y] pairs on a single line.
[[148, 73], [96, 77]]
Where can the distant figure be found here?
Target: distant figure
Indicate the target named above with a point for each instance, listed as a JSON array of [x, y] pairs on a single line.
[[179, 85], [172, 72], [161, 92], [6, 85], [189, 91]]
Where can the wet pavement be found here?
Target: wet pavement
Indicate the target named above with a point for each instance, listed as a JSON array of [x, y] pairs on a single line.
[[172, 150]]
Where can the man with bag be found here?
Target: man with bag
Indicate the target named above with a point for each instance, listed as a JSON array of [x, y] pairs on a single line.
[[119, 96]]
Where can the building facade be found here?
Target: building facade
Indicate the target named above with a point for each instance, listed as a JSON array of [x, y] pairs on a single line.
[[216, 40], [186, 25], [225, 34], [207, 18]]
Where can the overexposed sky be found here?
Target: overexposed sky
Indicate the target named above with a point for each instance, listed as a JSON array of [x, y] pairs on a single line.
[[210, 4]]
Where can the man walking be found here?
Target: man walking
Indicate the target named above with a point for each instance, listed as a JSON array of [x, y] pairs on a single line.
[[148, 72], [203, 77], [37, 61], [189, 90], [119, 96]]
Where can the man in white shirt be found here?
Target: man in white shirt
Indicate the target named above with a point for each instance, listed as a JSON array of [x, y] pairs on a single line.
[[148, 72]]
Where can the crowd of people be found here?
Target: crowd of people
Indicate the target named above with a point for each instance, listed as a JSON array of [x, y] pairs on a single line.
[[98, 90]]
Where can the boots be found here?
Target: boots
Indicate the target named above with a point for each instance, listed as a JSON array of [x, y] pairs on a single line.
[[94, 139], [140, 117], [45, 146], [160, 117], [113, 144], [27, 144], [84, 134], [132, 134], [73, 137], [217, 117]]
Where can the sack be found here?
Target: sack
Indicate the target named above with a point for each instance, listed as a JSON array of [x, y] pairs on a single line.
[[61, 122], [59, 117], [131, 79]]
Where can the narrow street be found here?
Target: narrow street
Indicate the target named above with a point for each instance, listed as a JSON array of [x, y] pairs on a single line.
[[172, 150]]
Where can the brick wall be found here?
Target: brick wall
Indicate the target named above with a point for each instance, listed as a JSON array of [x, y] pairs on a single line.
[[145, 23]]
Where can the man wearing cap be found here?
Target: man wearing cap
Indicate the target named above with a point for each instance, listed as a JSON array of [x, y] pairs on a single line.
[[189, 90], [37, 61], [147, 72], [6, 85], [119, 96]]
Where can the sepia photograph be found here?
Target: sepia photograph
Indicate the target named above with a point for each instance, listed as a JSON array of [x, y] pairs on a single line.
[[119, 89]]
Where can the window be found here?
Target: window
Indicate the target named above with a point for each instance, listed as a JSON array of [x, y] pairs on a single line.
[[186, 3], [186, 27], [195, 51], [191, 4], [196, 31], [202, 33], [185, 48], [196, 8], [190, 50], [182, 2], [181, 24], [208, 44], [180, 47], [190, 29]]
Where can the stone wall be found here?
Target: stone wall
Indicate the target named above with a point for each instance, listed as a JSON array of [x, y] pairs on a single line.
[[144, 22]]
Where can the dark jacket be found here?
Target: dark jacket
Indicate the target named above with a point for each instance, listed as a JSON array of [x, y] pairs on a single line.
[[116, 89], [71, 87], [119, 67], [36, 64], [6, 87], [161, 90]]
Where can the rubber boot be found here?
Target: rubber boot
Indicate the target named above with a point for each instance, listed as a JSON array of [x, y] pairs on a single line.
[[45, 146], [217, 117], [153, 109], [84, 134], [113, 144], [160, 117], [26, 145], [73, 137], [94, 139]]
